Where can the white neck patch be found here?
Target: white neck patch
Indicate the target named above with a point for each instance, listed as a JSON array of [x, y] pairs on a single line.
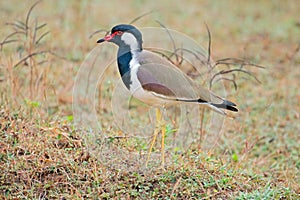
[[130, 40]]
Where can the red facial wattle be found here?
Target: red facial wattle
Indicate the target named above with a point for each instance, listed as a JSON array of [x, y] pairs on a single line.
[[109, 37]]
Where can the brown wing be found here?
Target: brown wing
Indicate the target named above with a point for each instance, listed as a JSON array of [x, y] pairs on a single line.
[[165, 81], [159, 76], [164, 73], [149, 83]]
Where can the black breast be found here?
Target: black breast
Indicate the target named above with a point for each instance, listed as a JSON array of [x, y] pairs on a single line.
[[124, 58]]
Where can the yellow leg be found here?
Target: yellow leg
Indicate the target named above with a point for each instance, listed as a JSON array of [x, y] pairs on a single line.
[[156, 131], [159, 126]]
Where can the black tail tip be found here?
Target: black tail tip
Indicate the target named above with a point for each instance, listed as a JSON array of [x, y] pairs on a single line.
[[227, 105], [231, 108]]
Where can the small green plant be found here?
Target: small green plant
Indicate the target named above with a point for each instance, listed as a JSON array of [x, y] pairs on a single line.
[[70, 118], [265, 193], [234, 157], [32, 104]]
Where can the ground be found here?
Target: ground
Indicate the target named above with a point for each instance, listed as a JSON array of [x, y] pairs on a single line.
[[44, 156]]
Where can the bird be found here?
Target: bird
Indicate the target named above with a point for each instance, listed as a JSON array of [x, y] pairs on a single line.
[[156, 81]]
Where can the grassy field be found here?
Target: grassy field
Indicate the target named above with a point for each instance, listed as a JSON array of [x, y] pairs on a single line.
[[44, 156]]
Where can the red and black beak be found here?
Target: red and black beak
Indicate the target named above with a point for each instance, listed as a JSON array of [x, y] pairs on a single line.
[[108, 37], [101, 40]]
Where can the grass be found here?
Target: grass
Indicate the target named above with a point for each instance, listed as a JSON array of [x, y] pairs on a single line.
[[60, 166], [44, 156]]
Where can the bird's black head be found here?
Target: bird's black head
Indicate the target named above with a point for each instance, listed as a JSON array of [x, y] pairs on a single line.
[[124, 34]]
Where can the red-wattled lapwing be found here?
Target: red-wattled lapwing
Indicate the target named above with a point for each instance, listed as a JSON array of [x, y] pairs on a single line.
[[155, 81]]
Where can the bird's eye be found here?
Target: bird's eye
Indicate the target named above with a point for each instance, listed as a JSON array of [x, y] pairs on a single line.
[[119, 32]]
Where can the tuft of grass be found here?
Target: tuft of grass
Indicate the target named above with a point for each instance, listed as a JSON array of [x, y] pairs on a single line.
[[26, 61]]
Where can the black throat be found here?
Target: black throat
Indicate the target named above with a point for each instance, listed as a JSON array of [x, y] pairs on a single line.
[[124, 58]]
